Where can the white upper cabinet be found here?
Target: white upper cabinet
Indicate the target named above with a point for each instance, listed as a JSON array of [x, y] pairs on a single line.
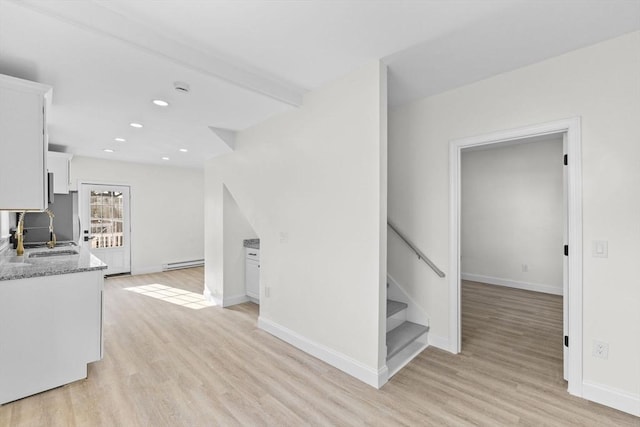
[[23, 144], [59, 164]]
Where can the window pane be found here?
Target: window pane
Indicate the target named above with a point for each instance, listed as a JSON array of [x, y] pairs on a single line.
[[106, 219]]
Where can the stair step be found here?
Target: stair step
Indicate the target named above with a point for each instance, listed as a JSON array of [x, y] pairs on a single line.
[[402, 336], [394, 307]]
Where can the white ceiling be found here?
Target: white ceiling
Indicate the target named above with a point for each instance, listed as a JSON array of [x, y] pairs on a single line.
[[247, 60], [522, 33]]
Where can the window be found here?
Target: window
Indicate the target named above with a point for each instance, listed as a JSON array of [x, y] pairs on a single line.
[[106, 219]]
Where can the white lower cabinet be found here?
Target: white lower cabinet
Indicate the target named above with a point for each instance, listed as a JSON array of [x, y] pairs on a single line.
[[252, 273], [50, 329]]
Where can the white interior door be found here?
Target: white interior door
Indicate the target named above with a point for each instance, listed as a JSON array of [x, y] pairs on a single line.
[[565, 264], [105, 220]]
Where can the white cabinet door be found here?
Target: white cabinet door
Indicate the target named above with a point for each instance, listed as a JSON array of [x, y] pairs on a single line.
[[58, 164], [23, 144], [50, 328], [252, 273]]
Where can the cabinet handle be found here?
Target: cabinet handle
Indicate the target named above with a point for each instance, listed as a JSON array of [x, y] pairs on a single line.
[[252, 254]]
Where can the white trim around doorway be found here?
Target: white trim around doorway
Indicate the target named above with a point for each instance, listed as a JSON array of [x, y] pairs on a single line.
[[574, 198]]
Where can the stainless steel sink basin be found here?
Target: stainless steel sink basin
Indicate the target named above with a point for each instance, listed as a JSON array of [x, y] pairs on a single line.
[[53, 253]]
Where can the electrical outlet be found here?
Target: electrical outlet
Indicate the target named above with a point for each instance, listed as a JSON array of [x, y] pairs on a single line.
[[600, 249], [267, 292], [600, 349], [525, 268]]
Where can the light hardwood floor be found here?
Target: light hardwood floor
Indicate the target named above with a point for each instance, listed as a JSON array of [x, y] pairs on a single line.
[[167, 365]]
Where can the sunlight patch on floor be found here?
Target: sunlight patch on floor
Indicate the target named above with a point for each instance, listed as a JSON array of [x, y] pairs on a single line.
[[173, 295]]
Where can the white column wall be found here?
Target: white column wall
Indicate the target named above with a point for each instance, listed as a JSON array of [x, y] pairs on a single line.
[[312, 184]]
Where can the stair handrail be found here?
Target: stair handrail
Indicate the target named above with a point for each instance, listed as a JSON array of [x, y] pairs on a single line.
[[418, 252]]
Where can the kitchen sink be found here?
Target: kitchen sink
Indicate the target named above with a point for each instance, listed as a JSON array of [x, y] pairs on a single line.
[[53, 253], [44, 244]]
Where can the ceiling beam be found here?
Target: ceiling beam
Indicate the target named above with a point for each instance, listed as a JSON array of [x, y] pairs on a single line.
[[96, 18], [227, 136]]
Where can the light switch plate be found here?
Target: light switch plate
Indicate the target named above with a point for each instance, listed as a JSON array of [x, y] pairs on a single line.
[[600, 249]]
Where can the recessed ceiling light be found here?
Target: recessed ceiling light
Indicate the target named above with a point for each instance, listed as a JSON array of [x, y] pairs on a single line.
[[135, 125], [160, 103], [120, 139], [108, 150], [183, 150], [165, 158]]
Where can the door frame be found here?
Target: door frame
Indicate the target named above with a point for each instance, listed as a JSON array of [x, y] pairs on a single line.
[[572, 128], [108, 183]]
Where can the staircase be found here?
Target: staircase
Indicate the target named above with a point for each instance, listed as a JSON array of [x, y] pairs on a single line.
[[405, 340]]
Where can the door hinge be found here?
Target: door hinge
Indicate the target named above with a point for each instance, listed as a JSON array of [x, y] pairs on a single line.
[[566, 250], [566, 340], [566, 160]]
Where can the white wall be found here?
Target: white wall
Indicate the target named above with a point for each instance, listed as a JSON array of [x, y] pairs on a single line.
[[601, 84], [167, 208], [4, 229], [311, 183], [236, 230], [4, 224], [512, 215]]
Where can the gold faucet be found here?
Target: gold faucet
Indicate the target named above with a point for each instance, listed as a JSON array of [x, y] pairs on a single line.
[[52, 237], [20, 235], [20, 232]]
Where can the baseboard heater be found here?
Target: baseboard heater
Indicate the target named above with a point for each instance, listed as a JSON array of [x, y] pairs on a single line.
[[182, 264]]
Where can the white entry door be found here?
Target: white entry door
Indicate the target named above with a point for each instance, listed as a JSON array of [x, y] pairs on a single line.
[[105, 219]]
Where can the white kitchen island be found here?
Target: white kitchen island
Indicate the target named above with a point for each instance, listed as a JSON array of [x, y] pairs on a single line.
[[50, 320]]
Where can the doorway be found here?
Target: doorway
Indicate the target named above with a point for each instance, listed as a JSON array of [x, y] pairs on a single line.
[[105, 224], [572, 277]]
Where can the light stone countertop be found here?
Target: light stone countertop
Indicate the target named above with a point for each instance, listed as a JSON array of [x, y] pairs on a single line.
[[14, 267], [252, 243]]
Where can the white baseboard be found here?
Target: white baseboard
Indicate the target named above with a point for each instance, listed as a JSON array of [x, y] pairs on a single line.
[[146, 270], [440, 342], [372, 377], [536, 287], [614, 398], [209, 296], [234, 299]]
